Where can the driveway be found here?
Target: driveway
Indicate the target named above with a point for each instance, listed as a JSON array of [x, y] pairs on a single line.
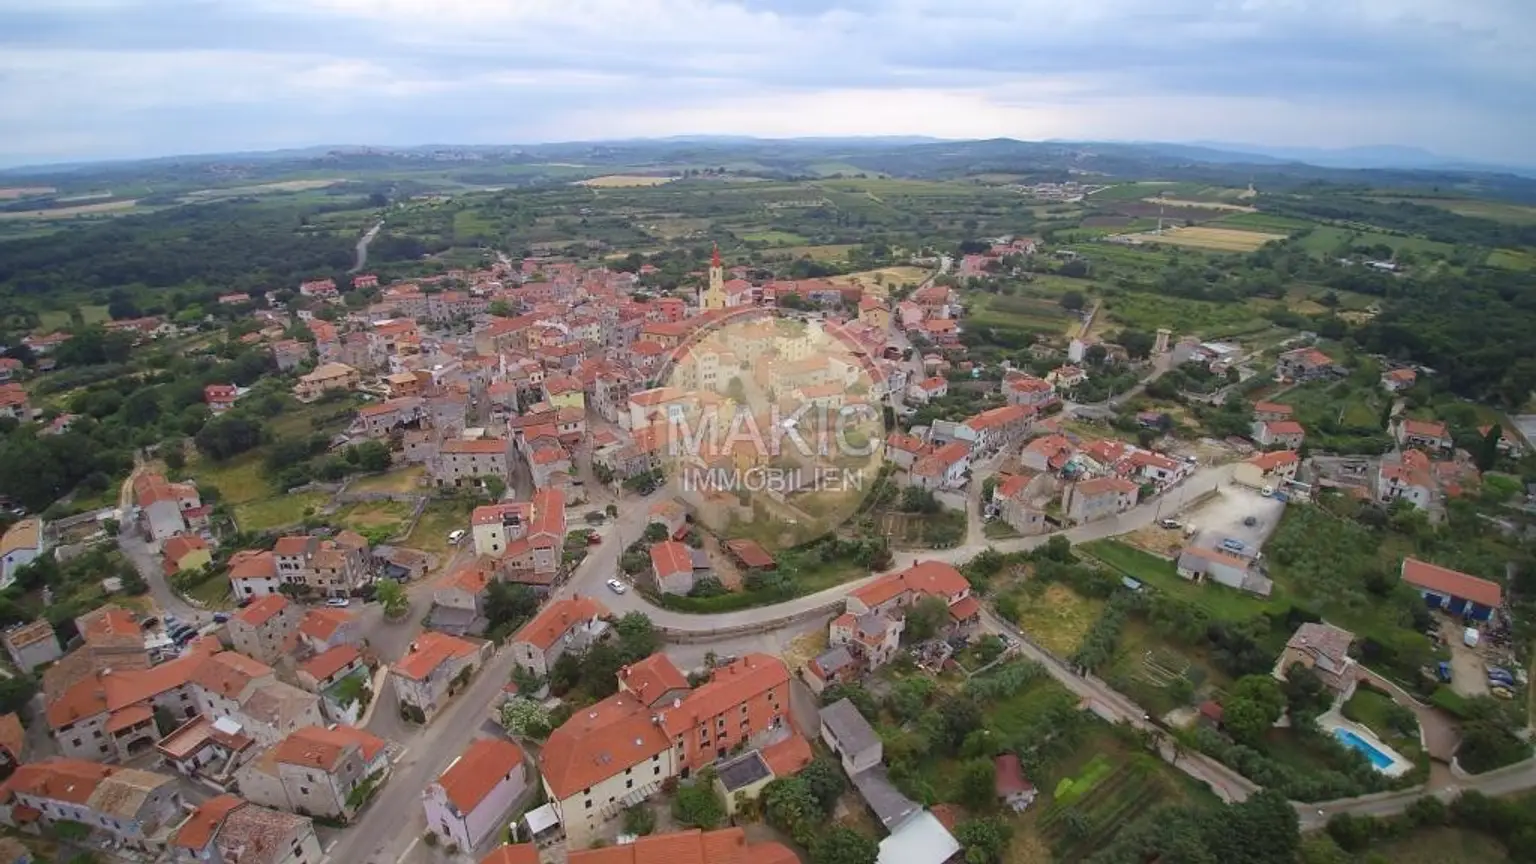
[[1223, 517]]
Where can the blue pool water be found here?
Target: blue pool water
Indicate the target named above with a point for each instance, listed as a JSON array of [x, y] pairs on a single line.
[[1351, 740]]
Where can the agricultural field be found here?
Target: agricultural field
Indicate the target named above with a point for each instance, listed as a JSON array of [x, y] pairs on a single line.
[[374, 517], [104, 208], [623, 181], [773, 238], [1210, 320], [1147, 668], [1251, 221], [1215, 239], [399, 481], [55, 319], [239, 480], [1058, 619], [259, 189], [1512, 259], [281, 511], [1326, 239], [830, 252], [887, 277], [1184, 202], [1019, 313]]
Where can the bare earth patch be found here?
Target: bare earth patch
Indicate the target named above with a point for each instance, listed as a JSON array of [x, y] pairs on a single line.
[[67, 212], [1219, 239], [1217, 205], [618, 181], [11, 193]]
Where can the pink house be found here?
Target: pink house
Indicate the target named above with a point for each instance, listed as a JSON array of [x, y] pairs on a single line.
[[470, 800], [220, 397]]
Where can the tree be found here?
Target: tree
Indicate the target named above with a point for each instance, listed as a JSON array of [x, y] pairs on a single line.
[[525, 718], [977, 786], [824, 778], [640, 820], [1137, 343], [790, 806], [1252, 707], [843, 845], [1488, 448], [495, 486], [860, 698], [697, 805], [924, 619], [638, 638], [985, 841], [655, 532], [228, 435], [372, 456], [509, 603], [392, 596], [1072, 301], [16, 693]]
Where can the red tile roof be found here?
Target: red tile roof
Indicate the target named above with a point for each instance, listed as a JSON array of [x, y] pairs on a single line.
[[1009, 779], [731, 685], [263, 610], [554, 620], [1284, 427], [429, 651], [670, 558], [600, 741], [934, 578], [788, 756], [322, 624], [653, 676], [203, 824], [329, 662], [482, 446], [478, 770], [321, 747], [1451, 583]]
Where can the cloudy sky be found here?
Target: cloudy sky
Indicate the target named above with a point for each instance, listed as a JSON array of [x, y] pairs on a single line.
[[87, 79]]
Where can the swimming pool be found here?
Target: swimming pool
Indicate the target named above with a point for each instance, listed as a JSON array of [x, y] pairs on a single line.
[[1355, 742]]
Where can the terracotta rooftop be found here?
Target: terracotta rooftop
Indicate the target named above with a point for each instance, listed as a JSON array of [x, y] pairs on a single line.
[[1451, 583], [731, 685], [203, 824], [478, 770], [933, 578], [329, 662], [263, 610], [555, 619], [429, 651], [321, 747]]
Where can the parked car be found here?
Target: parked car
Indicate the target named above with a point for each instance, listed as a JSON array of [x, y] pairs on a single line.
[[617, 587], [595, 517], [220, 617], [1445, 671], [1170, 524], [455, 535], [338, 602], [149, 622], [1232, 545]]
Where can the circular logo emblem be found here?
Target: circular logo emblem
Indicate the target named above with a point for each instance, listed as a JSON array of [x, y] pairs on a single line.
[[771, 425]]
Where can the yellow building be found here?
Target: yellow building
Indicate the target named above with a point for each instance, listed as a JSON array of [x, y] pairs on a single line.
[[331, 376], [874, 313], [714, 295]]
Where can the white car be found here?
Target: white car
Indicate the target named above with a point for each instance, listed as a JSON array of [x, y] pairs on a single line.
[[617, 587], [455, 535], [338, 602]]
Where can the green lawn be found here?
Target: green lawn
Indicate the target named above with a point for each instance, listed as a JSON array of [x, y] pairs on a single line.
[[1262, 222], [373, 515], [55, 319], [1058, 619], [239, 480], [1441, 846], [399, 481], [441, 516], [774, 238], [280, 511], [213, 593], [1326, 238], [1218, 600], [1019, 313], [1147, 311], [1512, 259], [329, 416]]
